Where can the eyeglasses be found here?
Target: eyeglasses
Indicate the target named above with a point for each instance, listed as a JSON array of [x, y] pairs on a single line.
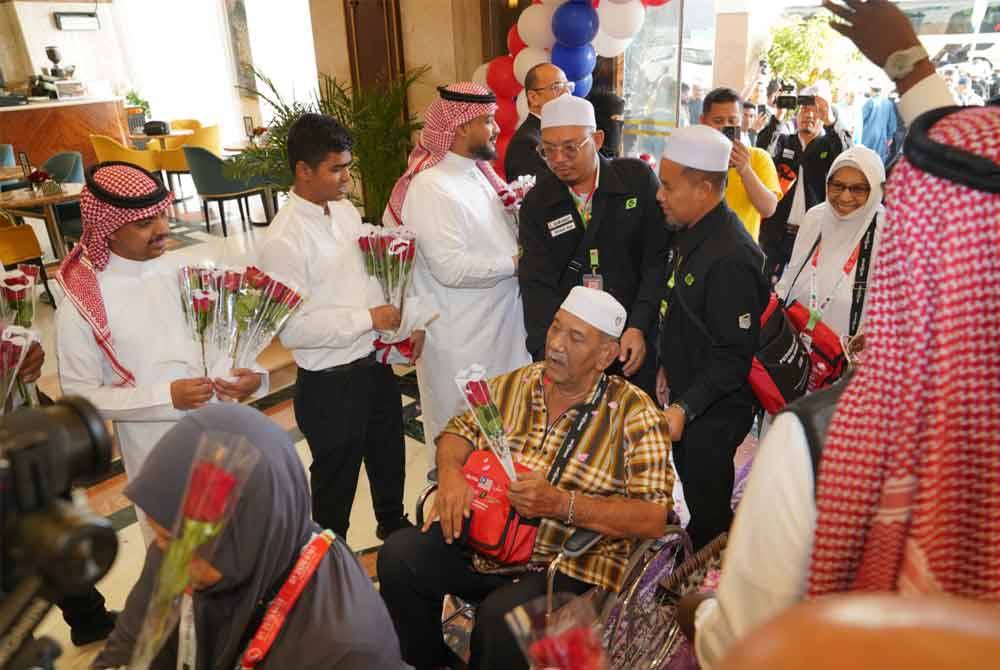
[[835, 188], [568, 149], [557, 87]]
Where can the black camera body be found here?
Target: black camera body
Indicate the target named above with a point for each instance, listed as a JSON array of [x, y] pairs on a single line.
[[786, 97], [51, 545]]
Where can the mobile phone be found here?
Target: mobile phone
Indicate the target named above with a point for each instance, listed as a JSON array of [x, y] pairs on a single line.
[[763, 66], [732, 132], [762, 109]]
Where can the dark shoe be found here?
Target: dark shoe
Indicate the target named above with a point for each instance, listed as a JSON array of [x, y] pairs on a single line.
[[98, 628], [384, 530]]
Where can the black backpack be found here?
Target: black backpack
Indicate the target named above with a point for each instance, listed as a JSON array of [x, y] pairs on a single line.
[[814, 412]]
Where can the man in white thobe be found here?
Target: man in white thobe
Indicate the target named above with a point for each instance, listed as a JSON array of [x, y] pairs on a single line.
[[467, 250], [121, 339]]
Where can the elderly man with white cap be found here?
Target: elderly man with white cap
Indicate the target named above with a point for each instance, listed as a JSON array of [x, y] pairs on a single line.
[[593, 222], [710, 324], [803, 159], [615, 478]]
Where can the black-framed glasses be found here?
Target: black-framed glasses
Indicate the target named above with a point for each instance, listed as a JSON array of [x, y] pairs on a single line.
[[557, 87], [568, 149], [835, 188]]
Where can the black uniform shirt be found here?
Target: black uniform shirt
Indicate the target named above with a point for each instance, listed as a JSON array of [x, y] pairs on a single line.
[[715, 268], [522, 153], [626, 228]]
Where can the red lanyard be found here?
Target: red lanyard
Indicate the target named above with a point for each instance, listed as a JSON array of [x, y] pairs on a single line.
[[816, 312], [277, 611]]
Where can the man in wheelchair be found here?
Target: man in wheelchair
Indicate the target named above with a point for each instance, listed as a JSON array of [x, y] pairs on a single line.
[[617, 481]]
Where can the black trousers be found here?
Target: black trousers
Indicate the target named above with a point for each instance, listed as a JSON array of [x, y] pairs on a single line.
[[349, 415], [416, 570], [704, 460]]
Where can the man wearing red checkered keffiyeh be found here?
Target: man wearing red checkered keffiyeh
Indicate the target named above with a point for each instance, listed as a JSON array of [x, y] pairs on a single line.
[[122, 343], [466, 249]]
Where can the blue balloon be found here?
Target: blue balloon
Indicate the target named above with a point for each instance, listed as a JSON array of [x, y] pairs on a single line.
[[575, 24], [576, 62], [583, 86]]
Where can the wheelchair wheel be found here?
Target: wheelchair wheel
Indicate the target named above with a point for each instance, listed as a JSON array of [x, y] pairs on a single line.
[[636, 621]]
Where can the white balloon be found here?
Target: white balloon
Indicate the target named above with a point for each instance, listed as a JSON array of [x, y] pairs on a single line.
[[522, 107], [609, 47], [528, 58], [535, 26], [621, 21], [479, 76]]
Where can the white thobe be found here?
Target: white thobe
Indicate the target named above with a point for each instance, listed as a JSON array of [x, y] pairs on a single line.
[[142, 302], [466, 243]]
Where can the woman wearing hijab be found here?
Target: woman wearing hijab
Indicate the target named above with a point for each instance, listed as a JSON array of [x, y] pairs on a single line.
[[837, 245], [339, 622]]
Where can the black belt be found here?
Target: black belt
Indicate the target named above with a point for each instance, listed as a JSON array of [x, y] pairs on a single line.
[[365, 362]]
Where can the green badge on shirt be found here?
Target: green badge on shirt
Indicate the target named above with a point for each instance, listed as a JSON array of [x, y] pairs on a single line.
[[631, 203], [689, 279], [824, 154]]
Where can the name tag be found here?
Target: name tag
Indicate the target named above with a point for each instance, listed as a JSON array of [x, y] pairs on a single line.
[[563, 224], [788, 153]]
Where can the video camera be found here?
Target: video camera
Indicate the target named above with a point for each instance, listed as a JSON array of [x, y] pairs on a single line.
[[51, 545], [786, 97]]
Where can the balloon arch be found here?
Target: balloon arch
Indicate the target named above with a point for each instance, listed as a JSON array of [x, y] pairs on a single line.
[[567, 33]]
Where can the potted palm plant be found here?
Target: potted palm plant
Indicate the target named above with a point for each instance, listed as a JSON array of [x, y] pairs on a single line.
[[376, 117]]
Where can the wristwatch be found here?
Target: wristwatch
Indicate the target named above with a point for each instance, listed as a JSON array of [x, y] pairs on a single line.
[[901, 63]]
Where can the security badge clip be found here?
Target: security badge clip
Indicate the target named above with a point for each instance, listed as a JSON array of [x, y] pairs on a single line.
[[594, 280]]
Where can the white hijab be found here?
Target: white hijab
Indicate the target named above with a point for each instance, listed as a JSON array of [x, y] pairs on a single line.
[[839, 236]]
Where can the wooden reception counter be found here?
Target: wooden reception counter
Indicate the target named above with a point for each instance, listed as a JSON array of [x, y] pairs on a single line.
[[45, 128]]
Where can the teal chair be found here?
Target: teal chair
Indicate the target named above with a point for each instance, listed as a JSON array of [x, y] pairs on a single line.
[[7, 160], [66, 167], [214, 186]]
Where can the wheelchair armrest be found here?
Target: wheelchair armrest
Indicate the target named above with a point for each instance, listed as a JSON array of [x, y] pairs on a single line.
[[580, 542], [421, 501]]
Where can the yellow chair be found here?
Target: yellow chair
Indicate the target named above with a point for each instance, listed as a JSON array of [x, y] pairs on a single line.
[[18, 244], [173, 162], [109, 150], [178, 142]]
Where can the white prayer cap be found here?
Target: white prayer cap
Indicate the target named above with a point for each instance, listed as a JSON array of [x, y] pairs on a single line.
[[598, 308], [568, 110], [821, 89], [700, 147]]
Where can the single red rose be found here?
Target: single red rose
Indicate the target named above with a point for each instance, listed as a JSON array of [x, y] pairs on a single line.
[[231, 281], [292, 300], [203, 301], [277, 291], [30, 271], [208, 492], [14, 295], [383, 242], [477, 392], [255, 277], [365, 242], [38, 176], [16, 280], [411, 251]]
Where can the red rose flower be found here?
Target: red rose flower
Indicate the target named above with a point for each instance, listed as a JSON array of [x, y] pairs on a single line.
[[14, 294], [16, 280], [231, 280], [203, 301], [256, 277], [292, 300], [477, 392], [411, 251], [208, 492], [365, 242], [38, 176], [29, 271], [277, 291]]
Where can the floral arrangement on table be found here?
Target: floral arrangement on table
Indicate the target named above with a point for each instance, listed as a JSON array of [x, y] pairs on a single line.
[[42, 182], [234, 314], [220, 469]]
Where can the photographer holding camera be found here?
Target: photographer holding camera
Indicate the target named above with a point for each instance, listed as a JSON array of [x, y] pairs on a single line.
[[803, 159]]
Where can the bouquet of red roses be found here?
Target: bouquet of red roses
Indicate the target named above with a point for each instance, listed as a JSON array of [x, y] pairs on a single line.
[[472, 382], [14, 344], [389, 254], [513, 195], [222, 464], [17, 308], [262, 308]]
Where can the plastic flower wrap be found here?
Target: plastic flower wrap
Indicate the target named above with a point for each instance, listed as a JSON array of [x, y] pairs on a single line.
[[262, 308], [222, 464], [513, 195], [567, 638], [18, 309], [14, 344], [472, 382], [389, 255]]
